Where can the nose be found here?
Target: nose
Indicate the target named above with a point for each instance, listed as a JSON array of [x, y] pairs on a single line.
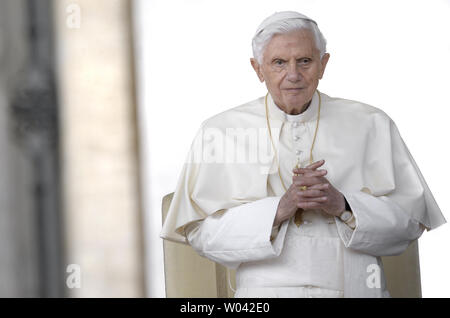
[[293, 73]]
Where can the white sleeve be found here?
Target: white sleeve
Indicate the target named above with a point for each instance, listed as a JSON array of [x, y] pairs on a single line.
[[382, 227], [395, 204], [240, 234]]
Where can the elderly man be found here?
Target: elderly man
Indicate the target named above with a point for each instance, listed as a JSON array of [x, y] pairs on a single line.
[[292, 225]]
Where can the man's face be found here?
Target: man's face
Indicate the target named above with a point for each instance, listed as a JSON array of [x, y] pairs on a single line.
[[291, 68]]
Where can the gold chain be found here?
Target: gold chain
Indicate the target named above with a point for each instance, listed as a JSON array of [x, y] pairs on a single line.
[[273, 145]]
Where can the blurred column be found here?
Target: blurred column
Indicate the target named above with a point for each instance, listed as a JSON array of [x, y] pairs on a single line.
[[34, 113], [99, 148], [19, 257]]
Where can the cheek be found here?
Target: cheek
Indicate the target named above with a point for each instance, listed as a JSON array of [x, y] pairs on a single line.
[[275, 81], [314, 74]]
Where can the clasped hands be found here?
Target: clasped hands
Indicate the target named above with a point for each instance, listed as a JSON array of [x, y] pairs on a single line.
[[319, 194]]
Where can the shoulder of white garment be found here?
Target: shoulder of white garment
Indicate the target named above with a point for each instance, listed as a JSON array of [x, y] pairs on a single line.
[[352, 108], [221, 120]]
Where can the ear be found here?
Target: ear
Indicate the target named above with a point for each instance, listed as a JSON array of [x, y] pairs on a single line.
[[324, 62], [257, 67]]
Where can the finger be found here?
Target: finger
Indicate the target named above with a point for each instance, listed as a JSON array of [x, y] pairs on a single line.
[[309, 181], [310, 167], [309, 205], [320, 186], [306, 194], [313, 173], [316, 164], [320, 199]]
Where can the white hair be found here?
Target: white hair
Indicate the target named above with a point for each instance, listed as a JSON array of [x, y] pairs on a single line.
[[265, 34]]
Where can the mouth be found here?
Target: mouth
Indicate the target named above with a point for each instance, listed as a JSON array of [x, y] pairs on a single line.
[[295, 89]]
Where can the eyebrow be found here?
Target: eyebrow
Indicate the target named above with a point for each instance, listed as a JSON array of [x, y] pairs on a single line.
[[300, 58]]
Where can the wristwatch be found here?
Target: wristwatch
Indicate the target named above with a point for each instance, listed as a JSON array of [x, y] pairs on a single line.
[[346, 216]]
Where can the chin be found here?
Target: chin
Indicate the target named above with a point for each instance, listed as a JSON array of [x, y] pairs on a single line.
[[295, 101]]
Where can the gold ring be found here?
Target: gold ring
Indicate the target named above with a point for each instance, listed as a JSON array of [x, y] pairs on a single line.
[[303, 188]]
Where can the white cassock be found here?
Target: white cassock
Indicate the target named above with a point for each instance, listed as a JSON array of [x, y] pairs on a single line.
[[225, 208]]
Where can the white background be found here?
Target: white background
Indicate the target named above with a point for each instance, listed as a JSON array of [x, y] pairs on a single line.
[[193, 62]]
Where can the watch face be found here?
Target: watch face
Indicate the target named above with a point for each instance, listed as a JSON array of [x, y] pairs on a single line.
[[346, 216]]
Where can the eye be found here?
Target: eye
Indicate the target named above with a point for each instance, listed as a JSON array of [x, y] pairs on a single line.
[[278, 62], [304, 61]]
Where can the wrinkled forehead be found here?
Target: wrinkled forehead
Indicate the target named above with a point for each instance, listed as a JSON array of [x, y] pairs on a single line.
[[297, 43]]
